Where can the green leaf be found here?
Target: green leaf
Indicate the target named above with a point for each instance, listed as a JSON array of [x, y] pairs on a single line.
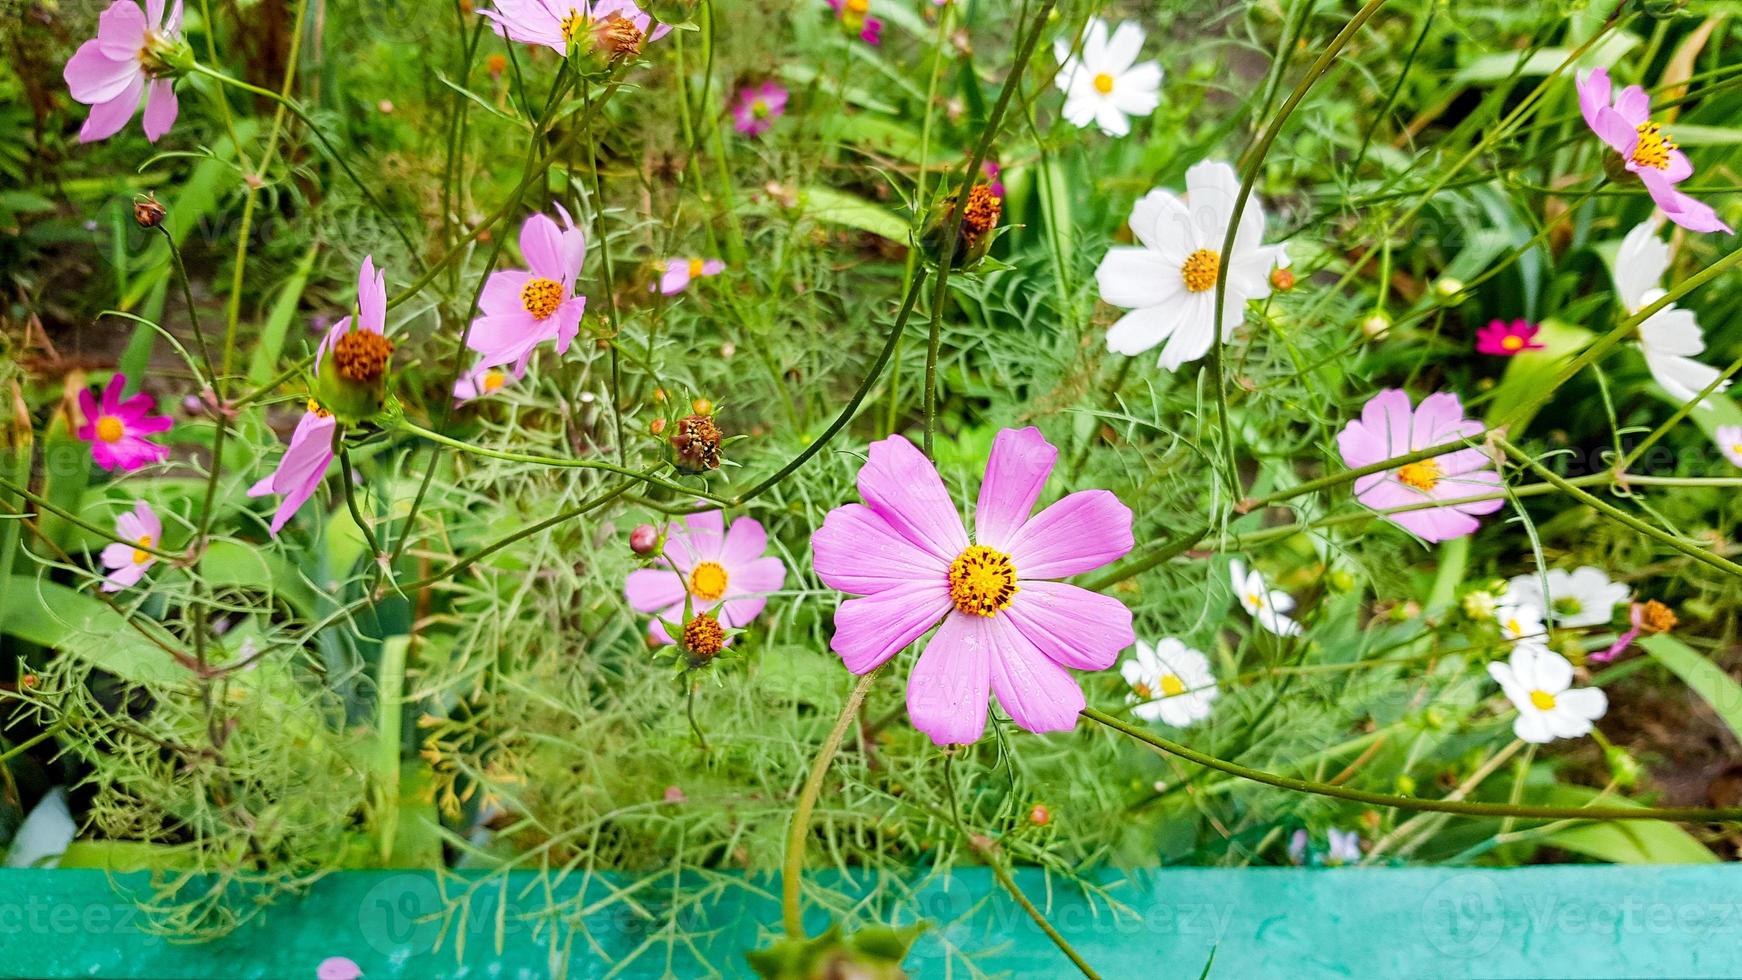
[[1532, 370], [1494, 67], [76, 624], [1703, 677], [264, 364], [841, 208], [1624, 841]]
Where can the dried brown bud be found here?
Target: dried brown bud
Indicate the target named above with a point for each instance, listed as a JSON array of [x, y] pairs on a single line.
[[696, 444], [703, 638], [657, 426], [361, 355], [1655, 617], [148, 211], [1282, 279]]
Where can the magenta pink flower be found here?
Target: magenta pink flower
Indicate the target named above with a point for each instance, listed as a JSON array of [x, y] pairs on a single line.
[[482, 382], [371, 309], [1006, 626], [1504, 339], [758, 106], [1388, 428], [676, 274], [1646, 150], [116, 428], [338, 968], [128, 58], [855, 18], [303, 466], [618, 26], [127, 562], [522, 309], [718, 569]]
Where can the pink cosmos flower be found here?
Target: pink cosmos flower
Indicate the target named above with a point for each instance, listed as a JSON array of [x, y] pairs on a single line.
[[1729, 438], [1389, 428], [1646, 150], [482, 382], [522, 309], [557, 24], [127, 562], [338, 968], [1504, 339], [855, 18], [116, 428], [371, 309], [758, 106], [676, 274], [1006, 625], [124, 61], [719, 569], [303, 466]]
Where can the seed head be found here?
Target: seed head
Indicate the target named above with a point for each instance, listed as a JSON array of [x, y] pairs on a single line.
[[696, 443], [703, 638], [361, 356], [148, 212]]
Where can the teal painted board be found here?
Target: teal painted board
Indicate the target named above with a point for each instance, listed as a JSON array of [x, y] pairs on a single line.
[[1571, 920]]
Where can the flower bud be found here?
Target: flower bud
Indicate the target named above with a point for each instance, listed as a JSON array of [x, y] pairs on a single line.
[[352, 380], [703, 639], [1282, 279], [1039, 815], [644, 540], [980, 217], [702, 406], [1376, 326], [1447, 289], [148, 211]]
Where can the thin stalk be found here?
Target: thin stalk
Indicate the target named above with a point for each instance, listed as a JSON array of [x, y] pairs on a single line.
[[792, 870]]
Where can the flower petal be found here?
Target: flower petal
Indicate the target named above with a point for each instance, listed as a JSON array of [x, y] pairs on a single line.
[[946, 690], [121, 30], [650, 589], [1085, 530], [903, 487], [94, 78], [856, 551], [1071, 625], [161, 108], [108, 118], [1016, 472], [1038, 694], [870, 630]]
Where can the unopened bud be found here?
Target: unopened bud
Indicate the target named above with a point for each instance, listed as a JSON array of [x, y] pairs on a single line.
[[1376, 326], [148, 211], [644, 539]]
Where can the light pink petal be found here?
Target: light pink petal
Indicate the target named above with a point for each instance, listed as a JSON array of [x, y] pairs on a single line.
[[502, 338], [305, 461], [1038, 694], [745, 542], [108, 118], [713, 267], [94, 78], [857, 552], [1438, 524], [650, 589], [1594, 91], [903, 487], [1678, 168], [1633, 105], [1359, 445], [1618, 133], [160, 108], [541, 241], [705, 534], [117, 555], [749, 586], [371, 297], [1470, 485], [1437, 419], [1387, 415], [676, 277], [121, 30], [123, 577], [1076, 627], [1016, 471], [946, 691], [502, 292], [1689, 213], [172, 24], [870, 630], [565, 323], [1085, 530], [148, 521]]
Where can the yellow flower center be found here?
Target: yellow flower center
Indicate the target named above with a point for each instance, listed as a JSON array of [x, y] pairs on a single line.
[[1654, 146], [695, 268], [1104, 83], [1512, 341], [1200, 270], [708, 581], [541, 297], [759, 108], [493, 379], [574, 24], [1543, 700], [1736, 448], [110, 429], [982, 581], [316, 408], [140, 555], [1255, 599], [1172, 686], [1424, 475]]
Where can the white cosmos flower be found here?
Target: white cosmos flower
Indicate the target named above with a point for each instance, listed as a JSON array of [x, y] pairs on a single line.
[[1266, 605], [1106, 84], [1583, 597], [1521, 619], [1730, 442], [1168, 280], [1170, 682], [1671, 338], [1538, 682]]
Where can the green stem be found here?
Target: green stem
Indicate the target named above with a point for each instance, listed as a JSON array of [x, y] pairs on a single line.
[[793, 869]]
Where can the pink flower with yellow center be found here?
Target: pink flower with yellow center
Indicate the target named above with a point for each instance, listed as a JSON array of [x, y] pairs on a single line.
[[1388, 428], [1009, 628], [855, 17], [676, 274], [758, 106], [618, 27], [482, 382], [140, 529], [1729, 438], [303, 467], [1647, 152], [723, 572], [116, 428], [522, 309], [127, 60], [1504, 339]]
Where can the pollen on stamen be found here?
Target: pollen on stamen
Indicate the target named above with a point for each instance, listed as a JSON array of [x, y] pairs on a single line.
[[1200, 269], [541, 297], [361, 355], [1654, 146], [982, 581]]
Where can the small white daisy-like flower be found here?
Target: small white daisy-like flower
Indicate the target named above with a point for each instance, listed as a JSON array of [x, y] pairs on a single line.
[[1170, 682], [1345, 846], [1264, 604], [1168, 280], [1730, 442], [1539, 682], [1671, 338], [1106, 85], [1521, 620], [1583, 597]]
